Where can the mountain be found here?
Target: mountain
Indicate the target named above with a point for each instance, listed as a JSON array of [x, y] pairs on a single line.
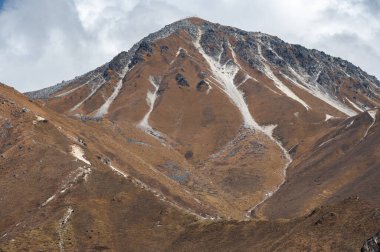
[[201, 136]]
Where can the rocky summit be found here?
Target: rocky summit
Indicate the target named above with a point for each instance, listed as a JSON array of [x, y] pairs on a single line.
[[201, 137]]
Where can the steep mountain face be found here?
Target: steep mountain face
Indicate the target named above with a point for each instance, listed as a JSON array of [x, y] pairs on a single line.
[[197, 127]]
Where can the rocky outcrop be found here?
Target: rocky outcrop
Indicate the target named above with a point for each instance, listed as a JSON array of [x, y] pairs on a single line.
[[202, 86], [181, 80], [144, 50], [372, 244], [320, 71]]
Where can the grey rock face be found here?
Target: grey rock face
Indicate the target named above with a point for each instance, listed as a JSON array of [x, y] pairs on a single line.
[[310, 68], [121, 61], [202, 85], [372, 244], [181, 80]]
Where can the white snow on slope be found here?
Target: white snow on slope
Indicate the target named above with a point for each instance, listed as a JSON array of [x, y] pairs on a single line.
[[247, 76], [312, 88], [150, 99], [48, 200], [224, 75], [70, 91], [317, 76], [328, 117], [350, 124], [323, 96], [354, 105], [63, 228], [327, 141], [38, 119], [94, 90], [372, 113], [73, 178], [177, 54], [103, 110], [281, 86], [209, 87], [76, 88], [78, 153]]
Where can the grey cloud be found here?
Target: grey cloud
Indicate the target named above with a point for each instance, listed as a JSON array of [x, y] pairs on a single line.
[[366, 55], [43, 42]]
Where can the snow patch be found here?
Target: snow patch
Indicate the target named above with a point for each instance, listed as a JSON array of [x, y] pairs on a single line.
[[39, 119], [103, 110], [354, 105], [225, 75], [78, 153], [151, 99], [350, 124], [63, 228], [325, 142], [323, 96], [328, 117], [247, 77], [235, 60], [94, 90], [312, 88], [81, 172], [76, 88], [268, 129], [48, 200], [281, 86], [177, 54], [372, 114], [209, 88]]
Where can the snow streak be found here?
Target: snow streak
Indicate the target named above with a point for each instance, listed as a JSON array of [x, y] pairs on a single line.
[[103, 110], [88, 97], [150, 99], [225, 75], [76, 88], [354, 105], [313, 88], [372, 113], [328, 117], [177, 54], [281, 86], [78, 153], [63, 228], [75, 176]]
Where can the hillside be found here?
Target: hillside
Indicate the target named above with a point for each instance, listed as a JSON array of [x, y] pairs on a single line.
[[201, 136]]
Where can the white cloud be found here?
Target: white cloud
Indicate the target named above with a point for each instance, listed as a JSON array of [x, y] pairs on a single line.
[[43, 42]]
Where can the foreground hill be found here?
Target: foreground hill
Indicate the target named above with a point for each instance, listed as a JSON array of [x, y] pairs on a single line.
[[201, 136]]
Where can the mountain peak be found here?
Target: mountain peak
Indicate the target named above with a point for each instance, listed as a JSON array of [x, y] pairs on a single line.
[[196, 121], [320, 74]]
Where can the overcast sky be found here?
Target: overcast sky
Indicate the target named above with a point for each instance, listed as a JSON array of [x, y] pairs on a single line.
[[43, 42]]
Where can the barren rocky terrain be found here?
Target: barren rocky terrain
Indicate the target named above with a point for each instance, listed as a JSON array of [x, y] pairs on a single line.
[[201, 137]]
